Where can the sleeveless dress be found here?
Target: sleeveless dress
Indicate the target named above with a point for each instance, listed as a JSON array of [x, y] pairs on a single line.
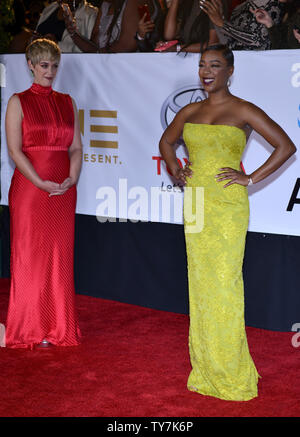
[[41, 304], [221, 363]]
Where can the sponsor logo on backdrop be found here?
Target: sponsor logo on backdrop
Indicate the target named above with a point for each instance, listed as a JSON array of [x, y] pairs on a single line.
[[177, 100], [101, 134], [294, 199], [176, 186]]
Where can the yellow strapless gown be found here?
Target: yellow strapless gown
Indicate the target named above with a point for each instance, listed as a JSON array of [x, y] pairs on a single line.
[[220, 358]]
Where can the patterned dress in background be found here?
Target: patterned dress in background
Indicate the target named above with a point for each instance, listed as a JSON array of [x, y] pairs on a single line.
[[243, 32]]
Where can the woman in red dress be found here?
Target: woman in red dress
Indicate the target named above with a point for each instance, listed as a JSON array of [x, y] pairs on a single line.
[[43, 139]]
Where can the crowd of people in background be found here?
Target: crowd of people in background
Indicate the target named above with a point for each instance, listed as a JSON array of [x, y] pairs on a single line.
[[115, 26]]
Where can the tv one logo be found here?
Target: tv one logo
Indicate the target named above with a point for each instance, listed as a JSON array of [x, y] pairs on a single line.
[[100, 130]]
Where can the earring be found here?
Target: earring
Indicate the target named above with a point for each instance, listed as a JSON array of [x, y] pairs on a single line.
[[228, 83]]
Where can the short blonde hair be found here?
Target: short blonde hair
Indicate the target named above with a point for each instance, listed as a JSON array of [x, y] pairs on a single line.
[[42, 49]]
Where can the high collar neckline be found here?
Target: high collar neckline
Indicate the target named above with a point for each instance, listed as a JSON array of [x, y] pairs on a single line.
[[42, 90]]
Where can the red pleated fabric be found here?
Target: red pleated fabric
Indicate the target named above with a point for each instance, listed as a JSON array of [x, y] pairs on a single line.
[[41, 304]]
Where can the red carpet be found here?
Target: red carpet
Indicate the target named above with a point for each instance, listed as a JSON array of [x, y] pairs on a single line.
[[134, 362]]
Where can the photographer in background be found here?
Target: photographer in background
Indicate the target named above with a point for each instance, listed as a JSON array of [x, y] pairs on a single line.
[[285, 35]]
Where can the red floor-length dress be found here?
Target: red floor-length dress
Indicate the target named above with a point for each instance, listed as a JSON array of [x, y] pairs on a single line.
[[41, 305]]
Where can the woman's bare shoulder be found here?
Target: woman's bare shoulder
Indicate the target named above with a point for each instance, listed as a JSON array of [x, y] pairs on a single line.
[[14, 101], [245, 105], [14, 107], [246, 110], [191, 109]]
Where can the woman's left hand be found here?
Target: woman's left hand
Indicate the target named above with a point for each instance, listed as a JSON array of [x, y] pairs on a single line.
[[234, 177]]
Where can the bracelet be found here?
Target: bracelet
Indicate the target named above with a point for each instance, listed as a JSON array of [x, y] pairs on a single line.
[[250, 181], [138, 37]]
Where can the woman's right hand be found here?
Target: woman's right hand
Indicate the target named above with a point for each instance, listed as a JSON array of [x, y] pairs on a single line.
[[145, 26], [69, 18], [262, 17], [53, 188], [182, 173]]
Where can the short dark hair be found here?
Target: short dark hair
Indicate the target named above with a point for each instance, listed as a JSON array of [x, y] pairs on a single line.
[[226, 52]]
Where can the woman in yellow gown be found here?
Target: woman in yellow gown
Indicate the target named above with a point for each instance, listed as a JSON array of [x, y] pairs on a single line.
[[215, 131]]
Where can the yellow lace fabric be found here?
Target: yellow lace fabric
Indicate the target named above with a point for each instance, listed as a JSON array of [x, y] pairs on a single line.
[[220, 358]]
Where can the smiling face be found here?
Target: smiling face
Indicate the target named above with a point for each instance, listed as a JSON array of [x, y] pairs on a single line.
[[44, 71], [214, 71]]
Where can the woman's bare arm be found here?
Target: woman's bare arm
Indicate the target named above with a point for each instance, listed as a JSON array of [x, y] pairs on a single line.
[[75, 150], [275, 136], [130, 22], [170, 27], [75, 154], [169, 139]]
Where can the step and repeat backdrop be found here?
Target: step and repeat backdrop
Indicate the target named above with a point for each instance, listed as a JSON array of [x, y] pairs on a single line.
[[125, 101]]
